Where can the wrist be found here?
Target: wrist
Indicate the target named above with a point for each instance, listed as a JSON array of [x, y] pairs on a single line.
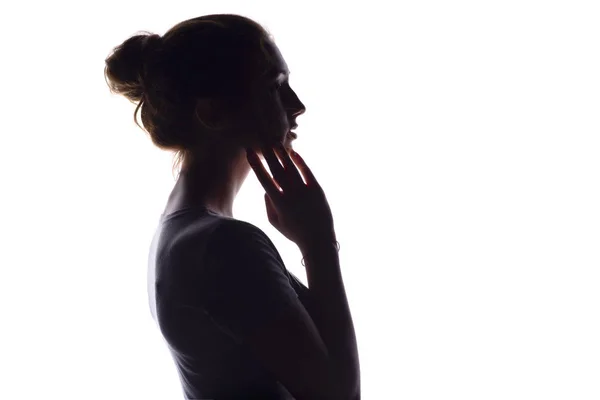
[[318, 242], [319, 248]]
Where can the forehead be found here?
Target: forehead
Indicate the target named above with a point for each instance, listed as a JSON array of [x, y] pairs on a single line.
[[274, 63]]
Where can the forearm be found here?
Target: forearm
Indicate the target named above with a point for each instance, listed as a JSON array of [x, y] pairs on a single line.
[[328, 307]]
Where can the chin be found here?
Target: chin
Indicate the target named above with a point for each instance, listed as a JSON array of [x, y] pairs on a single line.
[[287, 143]]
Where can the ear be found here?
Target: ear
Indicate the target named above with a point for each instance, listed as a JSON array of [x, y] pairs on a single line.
[[208, 113]]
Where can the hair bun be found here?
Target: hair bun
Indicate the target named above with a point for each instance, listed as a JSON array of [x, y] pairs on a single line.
[[126, 67], [151, 45]]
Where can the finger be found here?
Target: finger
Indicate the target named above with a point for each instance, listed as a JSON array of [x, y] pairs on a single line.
[[275, 167], [271, 214], [306, 172], [290, 168], [261, 173]]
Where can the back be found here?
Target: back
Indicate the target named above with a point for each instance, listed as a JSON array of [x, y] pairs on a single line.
[[189, 297]]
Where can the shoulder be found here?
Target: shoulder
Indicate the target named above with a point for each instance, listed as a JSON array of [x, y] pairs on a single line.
[[236, 228], [237, 234], [244, 249]]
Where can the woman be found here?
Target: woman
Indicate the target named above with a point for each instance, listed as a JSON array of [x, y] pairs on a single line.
[[238, 324]]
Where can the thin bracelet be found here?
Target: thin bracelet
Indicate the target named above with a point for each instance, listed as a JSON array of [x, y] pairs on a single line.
[[337, 247]]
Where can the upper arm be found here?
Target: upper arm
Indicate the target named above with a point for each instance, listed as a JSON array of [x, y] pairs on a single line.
[[249, 294], [303, 293]]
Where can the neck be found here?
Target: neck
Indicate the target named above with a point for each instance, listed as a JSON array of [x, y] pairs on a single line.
[[211, 181]]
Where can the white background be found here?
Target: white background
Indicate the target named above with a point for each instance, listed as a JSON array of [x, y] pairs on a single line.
[[457, 142]]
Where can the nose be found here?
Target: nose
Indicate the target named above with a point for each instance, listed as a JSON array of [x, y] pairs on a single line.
[[296, 106], [301, 110]]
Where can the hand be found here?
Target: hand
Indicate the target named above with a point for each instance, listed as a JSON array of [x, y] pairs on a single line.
[[299, 210]]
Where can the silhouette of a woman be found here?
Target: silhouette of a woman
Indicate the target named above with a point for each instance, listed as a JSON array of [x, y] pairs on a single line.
[[215, 89]]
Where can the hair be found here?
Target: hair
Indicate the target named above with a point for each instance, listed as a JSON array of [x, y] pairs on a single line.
[[204, 57]]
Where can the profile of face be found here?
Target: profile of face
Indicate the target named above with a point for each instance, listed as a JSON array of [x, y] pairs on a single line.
[[271, 106]]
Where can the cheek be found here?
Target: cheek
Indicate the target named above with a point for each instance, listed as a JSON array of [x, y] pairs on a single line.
[[267, 117]]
